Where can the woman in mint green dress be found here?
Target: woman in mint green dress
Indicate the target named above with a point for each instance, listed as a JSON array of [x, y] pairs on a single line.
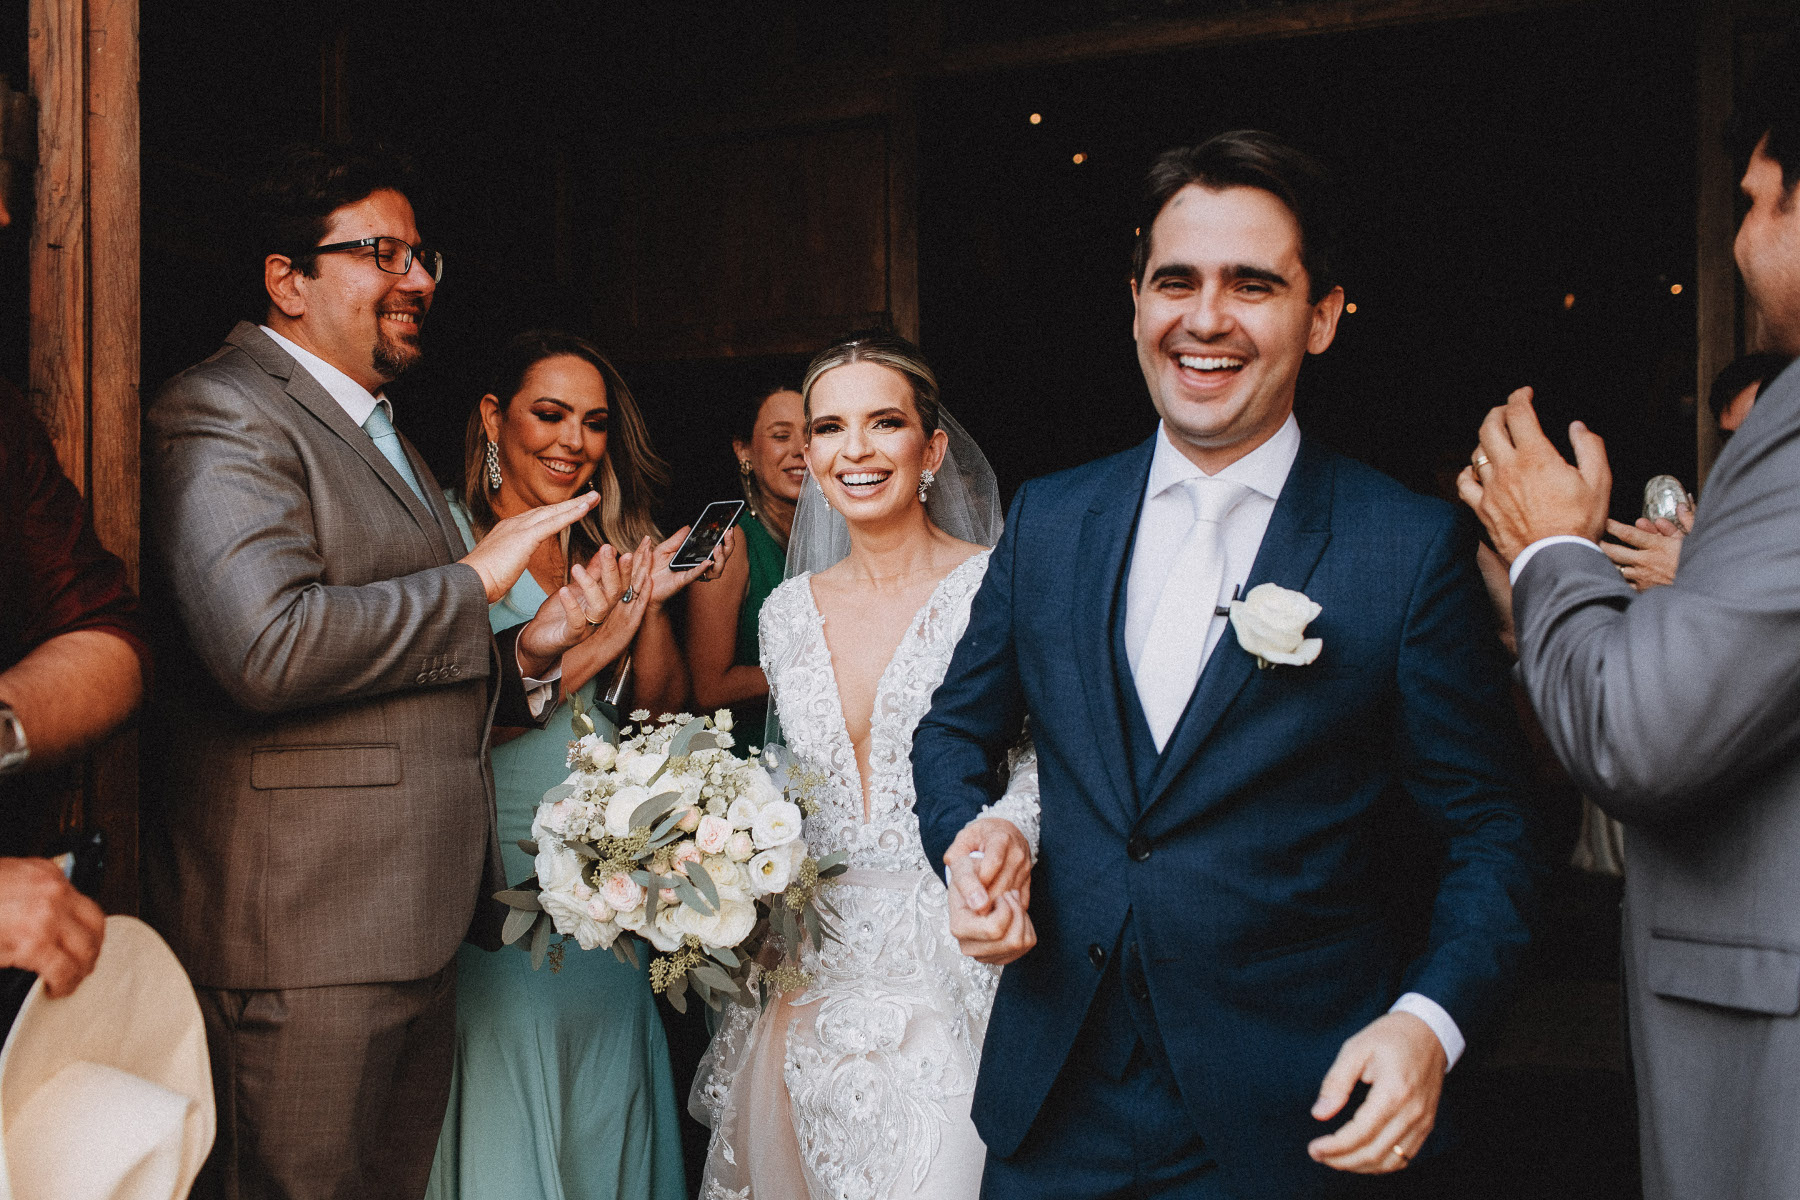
[[562, 1088], [723, 651]]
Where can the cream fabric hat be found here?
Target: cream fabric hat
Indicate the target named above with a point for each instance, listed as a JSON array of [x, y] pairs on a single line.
[[106, 1094]]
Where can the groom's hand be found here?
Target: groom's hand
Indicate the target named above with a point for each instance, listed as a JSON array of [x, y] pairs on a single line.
[[1403, 1063], [1524, 490], [990, 891]]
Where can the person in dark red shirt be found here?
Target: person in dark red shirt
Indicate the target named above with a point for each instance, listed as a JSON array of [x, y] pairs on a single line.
[[72, 666]]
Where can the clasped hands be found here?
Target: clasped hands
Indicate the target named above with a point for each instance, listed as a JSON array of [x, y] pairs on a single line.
[[1397, 1055], [575, 611]]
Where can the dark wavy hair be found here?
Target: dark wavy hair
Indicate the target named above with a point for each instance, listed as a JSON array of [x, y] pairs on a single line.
[[300, 186], [1251, 158], [629, 478]]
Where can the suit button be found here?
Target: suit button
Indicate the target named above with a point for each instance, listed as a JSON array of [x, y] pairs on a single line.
[[1097, 956], [455, 670], [421, 678], [1140, 987], [1138, 847]]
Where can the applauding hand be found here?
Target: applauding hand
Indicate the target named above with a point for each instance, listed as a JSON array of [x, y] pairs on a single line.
[[574, 611], [990, 891], [1524, 491], [501, 557]]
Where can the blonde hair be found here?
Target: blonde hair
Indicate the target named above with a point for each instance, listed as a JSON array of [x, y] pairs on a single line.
[[889, 350], [628, 476]]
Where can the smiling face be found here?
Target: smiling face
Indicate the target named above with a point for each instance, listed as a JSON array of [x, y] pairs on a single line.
[[362, 320], [1223, 321], [866, 445], [551, 434], [1768, 251], [776, 450]]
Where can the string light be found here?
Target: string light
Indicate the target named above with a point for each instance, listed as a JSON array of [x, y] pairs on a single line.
[[1350, 307], [1569, 300], [1080, 158], [1674, 289], [1036, 118]]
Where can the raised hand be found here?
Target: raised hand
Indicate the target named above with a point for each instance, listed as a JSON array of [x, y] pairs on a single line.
[[46, 926], [990, 891], [501, 556], [1403, 1063], [1524, 491], [571, 615]]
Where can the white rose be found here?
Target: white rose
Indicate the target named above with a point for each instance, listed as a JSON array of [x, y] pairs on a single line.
[[713, 834], [726, 927], [1271, 624], [641, 767], [594, 752], [554, 818], [558, 867], [742, 813], [739, 847], [763, 791], [664, 933], [722, 720], [622, 893], [571, 916], [728, 877], [776, 825], [624, 802], [632, 919], [690, 819], [772, 870]]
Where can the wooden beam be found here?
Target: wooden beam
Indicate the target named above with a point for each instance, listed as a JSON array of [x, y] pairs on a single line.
[[58, 249], [1280, 21], [1715, 271]]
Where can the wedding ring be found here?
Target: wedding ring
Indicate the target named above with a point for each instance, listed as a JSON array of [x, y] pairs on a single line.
[[1481, 460], [588, 619], [1400, 1154]]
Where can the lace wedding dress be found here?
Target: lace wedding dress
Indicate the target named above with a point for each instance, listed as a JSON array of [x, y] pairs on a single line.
[[857, 1087]]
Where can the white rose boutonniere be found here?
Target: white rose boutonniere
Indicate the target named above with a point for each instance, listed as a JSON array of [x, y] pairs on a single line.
[[1271, 624]]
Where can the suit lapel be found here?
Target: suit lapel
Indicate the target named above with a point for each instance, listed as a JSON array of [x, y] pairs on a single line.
[[1100, 553], [1299, 529], [311, 395]]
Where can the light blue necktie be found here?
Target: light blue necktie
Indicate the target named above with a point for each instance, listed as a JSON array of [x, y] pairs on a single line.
[[387, 440]]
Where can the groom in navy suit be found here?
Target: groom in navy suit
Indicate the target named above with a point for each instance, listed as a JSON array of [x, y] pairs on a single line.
[[1212, 951]]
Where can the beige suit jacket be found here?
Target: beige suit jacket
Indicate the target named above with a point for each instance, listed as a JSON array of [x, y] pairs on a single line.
[[320, 808]]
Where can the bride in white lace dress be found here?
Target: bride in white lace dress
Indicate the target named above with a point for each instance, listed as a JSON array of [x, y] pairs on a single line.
[[857, 1086]]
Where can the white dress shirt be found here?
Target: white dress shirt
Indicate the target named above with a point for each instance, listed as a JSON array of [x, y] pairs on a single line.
[[358, 403], [1530, 552], [1163, 527]]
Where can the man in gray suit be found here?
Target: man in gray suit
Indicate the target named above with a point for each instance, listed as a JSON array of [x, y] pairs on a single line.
[[1678, 711], [322, 832]]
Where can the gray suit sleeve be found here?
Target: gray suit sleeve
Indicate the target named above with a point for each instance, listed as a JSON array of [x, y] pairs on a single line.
[[234, 525], [1661, 702]]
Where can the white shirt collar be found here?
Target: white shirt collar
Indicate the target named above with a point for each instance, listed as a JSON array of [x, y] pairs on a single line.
[[351, 396], [1263, 470]]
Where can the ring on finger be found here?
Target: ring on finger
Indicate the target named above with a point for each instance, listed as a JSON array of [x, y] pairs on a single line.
[[588, 619], [1481, 460], [630, 594], [1400, 1154]]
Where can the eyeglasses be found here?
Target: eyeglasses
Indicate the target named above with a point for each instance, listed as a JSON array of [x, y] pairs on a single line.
[[393, 255]]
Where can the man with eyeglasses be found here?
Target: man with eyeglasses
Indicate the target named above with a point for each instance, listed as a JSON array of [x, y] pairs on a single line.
[[319, 833]]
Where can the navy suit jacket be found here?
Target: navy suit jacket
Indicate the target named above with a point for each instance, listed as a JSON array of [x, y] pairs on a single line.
[[1256, 860]]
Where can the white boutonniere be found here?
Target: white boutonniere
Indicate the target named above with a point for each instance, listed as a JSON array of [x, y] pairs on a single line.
[[1271, 624]]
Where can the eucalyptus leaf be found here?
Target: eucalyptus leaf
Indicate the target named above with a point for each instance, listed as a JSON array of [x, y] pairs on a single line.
[[704, 992], [698, 876], [583, 850], [540, 942], [528, 846], [672, 821], [725, 955], [690, 896], [561, 791], [677, 995], [834, 860], [620, 951], [685, 737], [519, 898], [816, 926], [712, 977], [518, 923], [646, 813], [646, 879], [630, 950]]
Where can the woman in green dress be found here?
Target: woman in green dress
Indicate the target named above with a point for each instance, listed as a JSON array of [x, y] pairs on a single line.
[[562, 1088], [722, 647]]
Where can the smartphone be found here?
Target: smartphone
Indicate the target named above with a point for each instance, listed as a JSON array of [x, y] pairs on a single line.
[[708, 531]]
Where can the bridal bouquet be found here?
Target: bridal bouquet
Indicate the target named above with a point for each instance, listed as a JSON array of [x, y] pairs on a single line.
[[667, 837]]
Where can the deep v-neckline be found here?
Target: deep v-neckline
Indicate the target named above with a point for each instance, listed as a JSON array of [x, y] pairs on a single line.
[[881, 681]]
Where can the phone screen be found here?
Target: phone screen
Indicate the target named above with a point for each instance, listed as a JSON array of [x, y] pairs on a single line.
[[707, 533]]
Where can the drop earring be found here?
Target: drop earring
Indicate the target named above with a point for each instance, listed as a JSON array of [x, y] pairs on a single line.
[[744, 468], [493, 467], [926, 479], [822, 495]]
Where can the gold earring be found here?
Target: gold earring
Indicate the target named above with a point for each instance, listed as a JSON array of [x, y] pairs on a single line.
[[744, 468]]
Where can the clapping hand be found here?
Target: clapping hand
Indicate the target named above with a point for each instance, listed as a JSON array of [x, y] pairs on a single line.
[[1403, 1063], [570, 615], [46, 926], [990, 891], [1524, 491], [501, 557]]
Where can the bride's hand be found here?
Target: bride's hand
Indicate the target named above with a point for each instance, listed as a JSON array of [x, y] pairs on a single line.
[[990, 891], [999, 936]]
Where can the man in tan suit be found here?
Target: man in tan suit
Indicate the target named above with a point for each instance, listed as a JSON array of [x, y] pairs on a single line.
[[322, 832]]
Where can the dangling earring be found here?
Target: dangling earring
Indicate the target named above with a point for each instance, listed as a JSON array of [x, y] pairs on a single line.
[[821, 487], [493, 467], [926, 479], [744, 468]]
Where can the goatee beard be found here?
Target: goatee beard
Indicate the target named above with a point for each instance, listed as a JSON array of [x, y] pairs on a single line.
[[392, 356]]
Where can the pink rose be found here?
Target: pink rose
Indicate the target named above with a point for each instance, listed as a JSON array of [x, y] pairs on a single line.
[[690, 820], [622, 893], [714, 833], [685, 853]]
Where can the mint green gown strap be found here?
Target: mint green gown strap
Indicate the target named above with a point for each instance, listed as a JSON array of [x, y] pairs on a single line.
[[561, 1088]]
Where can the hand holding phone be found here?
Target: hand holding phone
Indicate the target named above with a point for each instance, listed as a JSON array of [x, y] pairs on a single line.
[[707, 532]]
